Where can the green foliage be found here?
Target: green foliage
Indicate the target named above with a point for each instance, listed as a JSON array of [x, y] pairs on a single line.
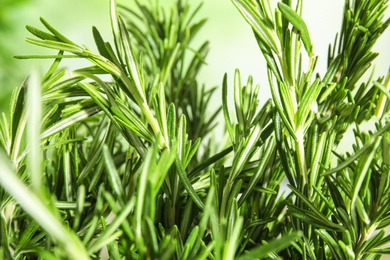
[[114, 158]]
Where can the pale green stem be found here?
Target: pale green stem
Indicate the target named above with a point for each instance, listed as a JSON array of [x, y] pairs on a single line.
[[300, 150], [34, 132], [142, 103]]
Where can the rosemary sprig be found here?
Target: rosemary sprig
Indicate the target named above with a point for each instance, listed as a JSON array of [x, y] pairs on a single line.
[[116, 157]]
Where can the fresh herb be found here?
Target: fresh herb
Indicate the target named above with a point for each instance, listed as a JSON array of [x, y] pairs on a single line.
[[115, 160]]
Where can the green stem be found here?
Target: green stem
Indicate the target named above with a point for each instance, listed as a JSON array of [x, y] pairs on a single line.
[[146, 111], [300, 150]]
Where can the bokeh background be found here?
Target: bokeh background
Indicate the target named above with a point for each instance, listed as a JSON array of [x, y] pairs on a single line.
[[231, 40]]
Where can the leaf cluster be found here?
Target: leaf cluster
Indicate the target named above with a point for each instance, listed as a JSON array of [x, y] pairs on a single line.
[[114, 159]]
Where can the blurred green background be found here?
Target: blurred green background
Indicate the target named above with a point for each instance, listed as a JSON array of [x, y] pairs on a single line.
[[231, 40]]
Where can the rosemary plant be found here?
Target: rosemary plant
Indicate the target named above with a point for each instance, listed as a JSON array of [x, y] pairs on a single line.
[[114, 160]]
